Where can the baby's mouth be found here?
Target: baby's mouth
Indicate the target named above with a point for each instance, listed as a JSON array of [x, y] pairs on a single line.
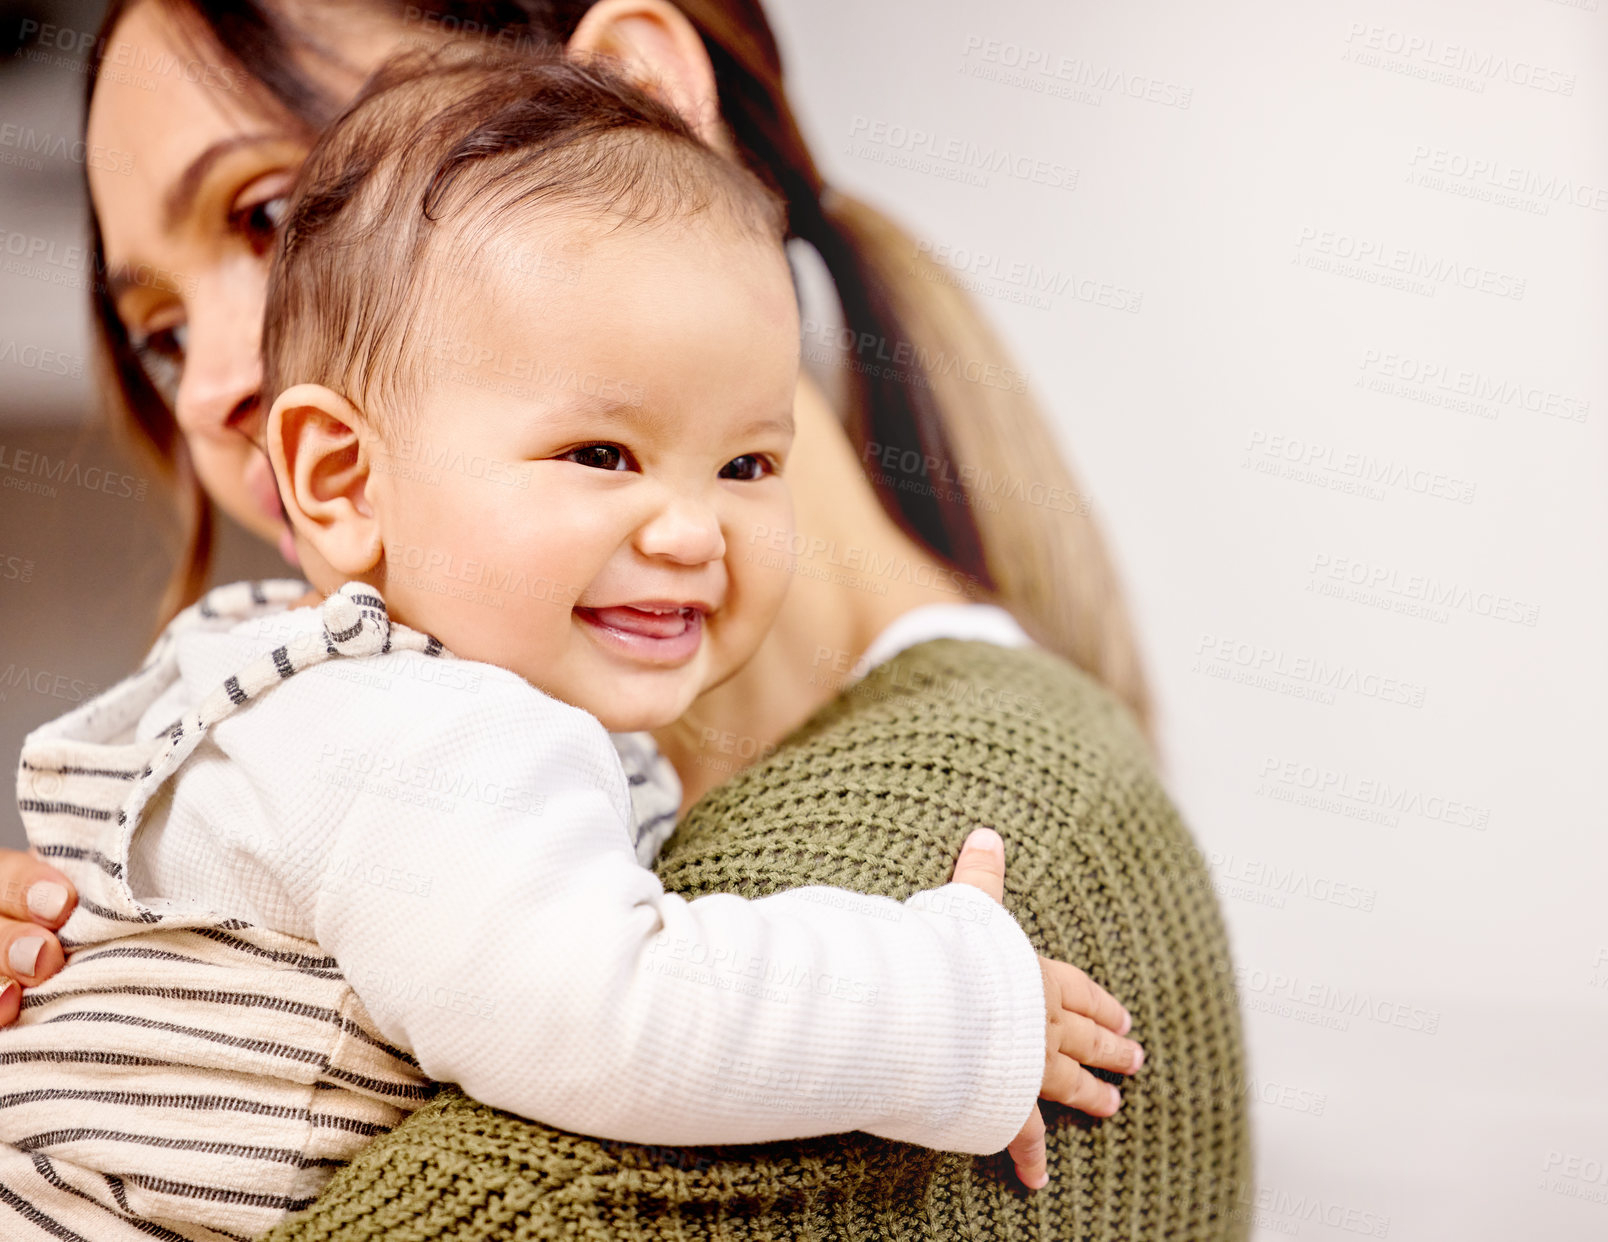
[[663, 634], [668, 622]]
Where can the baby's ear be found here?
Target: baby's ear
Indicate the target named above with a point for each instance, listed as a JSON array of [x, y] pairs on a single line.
[[320, 458], [661, 51]]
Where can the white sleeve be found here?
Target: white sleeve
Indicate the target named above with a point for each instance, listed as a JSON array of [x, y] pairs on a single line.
[[483, 898]]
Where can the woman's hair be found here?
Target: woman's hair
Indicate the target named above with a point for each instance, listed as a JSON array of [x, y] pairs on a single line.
[[428, 183], [955, 446]]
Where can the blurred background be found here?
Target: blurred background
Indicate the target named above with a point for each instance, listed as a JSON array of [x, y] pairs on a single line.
[[1315, 296]]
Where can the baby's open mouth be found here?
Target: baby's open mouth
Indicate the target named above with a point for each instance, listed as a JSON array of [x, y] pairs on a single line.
[[656, 633], [666, 622]]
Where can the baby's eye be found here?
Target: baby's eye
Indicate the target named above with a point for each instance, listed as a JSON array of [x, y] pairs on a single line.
[[599, 457], [747, 468]]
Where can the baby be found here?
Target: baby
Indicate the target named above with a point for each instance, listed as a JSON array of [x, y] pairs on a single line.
[[323, 862]]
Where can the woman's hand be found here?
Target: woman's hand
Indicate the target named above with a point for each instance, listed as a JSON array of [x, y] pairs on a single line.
[[1084, 1024], [35, 900]]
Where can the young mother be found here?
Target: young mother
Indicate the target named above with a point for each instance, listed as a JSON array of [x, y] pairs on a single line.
[[886, 715]]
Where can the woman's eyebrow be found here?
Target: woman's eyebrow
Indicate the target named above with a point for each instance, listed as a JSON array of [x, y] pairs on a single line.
[[181, 196]]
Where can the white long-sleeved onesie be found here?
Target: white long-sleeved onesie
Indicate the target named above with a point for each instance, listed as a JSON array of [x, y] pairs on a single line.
[[458, 841]]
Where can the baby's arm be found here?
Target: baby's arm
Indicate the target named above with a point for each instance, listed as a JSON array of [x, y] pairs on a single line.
[[570, 988]]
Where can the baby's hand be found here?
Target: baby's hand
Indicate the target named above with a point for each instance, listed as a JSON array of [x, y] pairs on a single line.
[[1084, 1025]]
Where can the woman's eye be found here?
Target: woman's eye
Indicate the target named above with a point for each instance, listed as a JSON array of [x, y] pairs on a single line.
[[261, 221], [161, 356], [599, 457], [747, 468]]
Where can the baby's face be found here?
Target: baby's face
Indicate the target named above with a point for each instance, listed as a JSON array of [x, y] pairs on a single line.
[[597, 454]]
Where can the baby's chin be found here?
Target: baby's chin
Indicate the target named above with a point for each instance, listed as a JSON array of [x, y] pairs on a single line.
[[625, 708]]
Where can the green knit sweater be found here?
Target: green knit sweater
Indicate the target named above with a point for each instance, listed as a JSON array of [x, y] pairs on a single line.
[[876, 793]]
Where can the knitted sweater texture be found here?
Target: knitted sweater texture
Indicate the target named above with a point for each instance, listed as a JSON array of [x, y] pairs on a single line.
[[876, 793]]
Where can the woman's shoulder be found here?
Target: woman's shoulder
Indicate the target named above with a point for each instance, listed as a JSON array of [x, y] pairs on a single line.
[[898, 767], [1019, 695]]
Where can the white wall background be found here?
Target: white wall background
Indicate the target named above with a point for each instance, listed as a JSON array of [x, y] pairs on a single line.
[[1401, 798]]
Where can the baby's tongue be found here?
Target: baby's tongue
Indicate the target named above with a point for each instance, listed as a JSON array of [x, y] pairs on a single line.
[[648, 624]]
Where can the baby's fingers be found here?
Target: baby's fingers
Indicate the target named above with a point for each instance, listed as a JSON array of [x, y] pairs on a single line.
[[1075, 1037], [982, 863], [1067, 1082], [1081, 994], [1027, 1153]]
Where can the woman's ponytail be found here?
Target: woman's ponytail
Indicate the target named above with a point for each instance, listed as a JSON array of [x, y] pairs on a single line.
[[1039, 549]]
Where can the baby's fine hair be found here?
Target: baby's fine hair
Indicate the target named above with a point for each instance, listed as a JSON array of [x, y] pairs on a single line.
[[396, 207]]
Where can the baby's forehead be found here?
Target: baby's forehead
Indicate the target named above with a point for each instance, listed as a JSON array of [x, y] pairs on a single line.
[[564, 253]]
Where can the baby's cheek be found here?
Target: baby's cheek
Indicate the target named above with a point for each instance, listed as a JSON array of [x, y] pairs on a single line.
[[760, 574]]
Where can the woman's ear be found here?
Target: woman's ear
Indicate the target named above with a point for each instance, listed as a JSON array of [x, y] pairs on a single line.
[[321, 464], [660, 49]]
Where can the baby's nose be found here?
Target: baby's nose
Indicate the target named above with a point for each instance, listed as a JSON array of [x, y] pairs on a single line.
[[684, 530]]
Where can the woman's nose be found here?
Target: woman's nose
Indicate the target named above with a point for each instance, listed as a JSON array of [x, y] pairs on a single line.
[[684, 530], [220, 389], [219, 396]]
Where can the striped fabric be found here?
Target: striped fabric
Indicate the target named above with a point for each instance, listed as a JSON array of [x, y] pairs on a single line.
[[188, 1075]]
